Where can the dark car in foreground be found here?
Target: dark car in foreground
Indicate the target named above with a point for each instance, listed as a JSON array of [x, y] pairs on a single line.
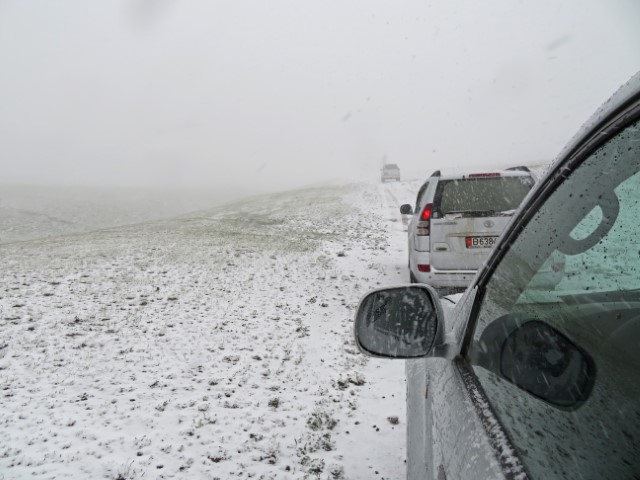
[[519, 381]]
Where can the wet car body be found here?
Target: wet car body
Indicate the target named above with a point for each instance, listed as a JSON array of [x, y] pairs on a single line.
[[543, 384], [457, 220]]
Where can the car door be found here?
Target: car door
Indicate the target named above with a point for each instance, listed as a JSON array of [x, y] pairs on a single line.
[[546, 381], [446, 436]]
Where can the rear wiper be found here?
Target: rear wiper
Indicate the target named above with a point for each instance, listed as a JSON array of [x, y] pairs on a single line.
[[450, 212], [505, 213], [479, 213]]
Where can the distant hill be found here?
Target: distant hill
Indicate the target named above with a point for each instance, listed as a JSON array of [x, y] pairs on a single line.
[[33, 212]]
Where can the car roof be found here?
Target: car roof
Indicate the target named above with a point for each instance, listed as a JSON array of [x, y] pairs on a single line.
[[629, 92], [463, 175], [503, 173]]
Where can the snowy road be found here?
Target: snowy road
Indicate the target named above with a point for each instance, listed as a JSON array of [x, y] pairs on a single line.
[[212, 345]]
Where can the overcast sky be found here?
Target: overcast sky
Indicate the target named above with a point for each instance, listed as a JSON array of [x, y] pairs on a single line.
[[271, 94]]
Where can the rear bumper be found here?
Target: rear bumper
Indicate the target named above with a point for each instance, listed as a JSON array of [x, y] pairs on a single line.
[[446, 278], [439, 278]]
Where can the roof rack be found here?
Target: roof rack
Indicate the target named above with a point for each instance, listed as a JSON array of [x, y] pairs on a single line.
[[520, 168]]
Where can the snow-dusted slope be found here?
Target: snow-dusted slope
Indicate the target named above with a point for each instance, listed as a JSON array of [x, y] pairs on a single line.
[[213, 345], [35, 212]]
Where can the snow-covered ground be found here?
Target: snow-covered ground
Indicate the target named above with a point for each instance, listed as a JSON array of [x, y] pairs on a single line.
[[212, 345]]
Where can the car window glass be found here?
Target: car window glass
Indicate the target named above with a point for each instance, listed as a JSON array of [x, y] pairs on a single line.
[[421, 192], [556, 344], [493, 194]]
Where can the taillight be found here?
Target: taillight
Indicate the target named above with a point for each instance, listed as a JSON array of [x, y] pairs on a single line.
[[424, 268], [426, 213], [423, 227]]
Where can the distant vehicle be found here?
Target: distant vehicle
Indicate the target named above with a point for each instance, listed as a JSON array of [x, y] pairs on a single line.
[[457, 220], [533, 383], [391, 171]]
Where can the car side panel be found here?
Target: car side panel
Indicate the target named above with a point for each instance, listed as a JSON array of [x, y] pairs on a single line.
[[411, 228], [423, 243], [461, 447], [419, 429], [444, 433], [445, 436]]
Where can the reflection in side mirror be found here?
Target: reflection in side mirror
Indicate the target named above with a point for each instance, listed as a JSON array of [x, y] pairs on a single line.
[[537, 358], [545, 363], [399, 322], [406, 209]]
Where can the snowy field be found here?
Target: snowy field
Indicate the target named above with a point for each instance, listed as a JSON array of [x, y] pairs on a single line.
[[33, 212], [210, 345]]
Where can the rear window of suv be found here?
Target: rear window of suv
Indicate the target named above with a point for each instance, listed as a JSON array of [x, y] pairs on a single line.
[[481, 196]]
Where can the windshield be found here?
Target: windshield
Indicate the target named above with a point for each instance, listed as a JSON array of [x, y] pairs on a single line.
[[482, 195]]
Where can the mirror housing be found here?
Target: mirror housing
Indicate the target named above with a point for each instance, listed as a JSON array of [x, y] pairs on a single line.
[[406, 209], [399, 322]]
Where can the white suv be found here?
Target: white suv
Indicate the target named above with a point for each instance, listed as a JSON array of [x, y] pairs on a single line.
[[456, 221]]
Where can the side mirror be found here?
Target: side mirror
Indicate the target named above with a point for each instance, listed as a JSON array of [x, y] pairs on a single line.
[[406, 209], [399, 322], [537, 358]]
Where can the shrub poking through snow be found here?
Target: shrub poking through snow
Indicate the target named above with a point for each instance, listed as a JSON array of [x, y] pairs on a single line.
[[318, 440], [320, 419], [336, 472], [316, 466], [218, 456], [315, 442], [350, 379]]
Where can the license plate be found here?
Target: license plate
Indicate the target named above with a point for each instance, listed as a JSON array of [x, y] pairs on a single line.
[[480, 242]]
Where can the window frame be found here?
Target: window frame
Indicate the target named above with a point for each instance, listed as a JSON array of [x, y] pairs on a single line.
[[420, 197], [597, 136], [601, 131]]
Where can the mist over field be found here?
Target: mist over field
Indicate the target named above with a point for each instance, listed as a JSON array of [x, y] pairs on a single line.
[[29, 212]]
